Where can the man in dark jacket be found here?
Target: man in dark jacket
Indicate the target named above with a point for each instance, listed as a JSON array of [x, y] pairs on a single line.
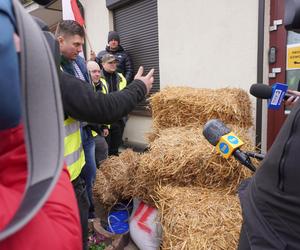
[[124, 65]]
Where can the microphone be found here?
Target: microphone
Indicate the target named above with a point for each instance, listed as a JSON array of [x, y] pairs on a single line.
[[226, 142], [263, 91]]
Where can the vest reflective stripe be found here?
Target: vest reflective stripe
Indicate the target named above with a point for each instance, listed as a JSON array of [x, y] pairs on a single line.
[[104, 89], [71, 128], [73, 157], [74, 154], [123, 82], [74, 170]]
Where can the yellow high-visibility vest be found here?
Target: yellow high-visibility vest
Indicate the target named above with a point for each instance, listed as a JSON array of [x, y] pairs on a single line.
[[74, 154], [120, 85], [94, 133]]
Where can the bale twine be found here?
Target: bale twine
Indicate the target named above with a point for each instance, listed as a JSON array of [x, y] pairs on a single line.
[[113, 179], [182, 106], [197, 218], [181, 156]]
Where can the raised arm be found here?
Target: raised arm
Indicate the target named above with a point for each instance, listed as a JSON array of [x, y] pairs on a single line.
[[82, 103]]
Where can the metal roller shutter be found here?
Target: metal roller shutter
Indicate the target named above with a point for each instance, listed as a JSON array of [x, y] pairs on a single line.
[[137, 25]]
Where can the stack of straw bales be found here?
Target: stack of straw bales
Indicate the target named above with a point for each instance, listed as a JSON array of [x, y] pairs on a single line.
[[181, 174]]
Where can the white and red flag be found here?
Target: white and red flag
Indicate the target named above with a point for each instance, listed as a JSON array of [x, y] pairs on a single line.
[[71, 11]]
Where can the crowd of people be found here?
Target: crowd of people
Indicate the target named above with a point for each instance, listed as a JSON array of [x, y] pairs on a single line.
[[93, 101], [96, 98], [104, 74]]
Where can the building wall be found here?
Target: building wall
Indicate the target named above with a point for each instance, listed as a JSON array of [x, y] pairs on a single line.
[[136, 129], [98, 23], [206, 43], [202, 43]]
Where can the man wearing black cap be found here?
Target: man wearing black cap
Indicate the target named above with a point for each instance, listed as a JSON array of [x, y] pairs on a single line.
[[124, 62]]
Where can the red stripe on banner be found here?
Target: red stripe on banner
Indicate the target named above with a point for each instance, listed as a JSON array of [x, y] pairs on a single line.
[[142, 222], [139, 210], [77, 15]]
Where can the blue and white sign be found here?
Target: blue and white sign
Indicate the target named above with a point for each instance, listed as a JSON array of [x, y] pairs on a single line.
[[224, 148], [278, 92], [232, 139]]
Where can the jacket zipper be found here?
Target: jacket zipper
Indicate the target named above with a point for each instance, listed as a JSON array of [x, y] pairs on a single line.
[[285, 150]]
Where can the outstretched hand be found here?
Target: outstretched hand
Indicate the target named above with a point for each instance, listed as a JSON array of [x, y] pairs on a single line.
[[147, 80]]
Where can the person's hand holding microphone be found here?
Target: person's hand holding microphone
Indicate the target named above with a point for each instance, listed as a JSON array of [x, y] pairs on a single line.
[[292, 100]]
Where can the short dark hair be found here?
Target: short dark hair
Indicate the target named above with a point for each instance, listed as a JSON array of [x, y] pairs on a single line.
[[69, 28]]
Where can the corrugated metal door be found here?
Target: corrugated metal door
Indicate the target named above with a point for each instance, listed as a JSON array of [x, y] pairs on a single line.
[[137, 25]]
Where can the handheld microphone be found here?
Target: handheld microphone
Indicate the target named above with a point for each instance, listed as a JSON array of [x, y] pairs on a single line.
[[226, 142], [263, 91]]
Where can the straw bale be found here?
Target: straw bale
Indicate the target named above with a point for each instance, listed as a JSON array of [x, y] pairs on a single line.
[[181, 156], [113, 179], [182, 106], [197, 218]]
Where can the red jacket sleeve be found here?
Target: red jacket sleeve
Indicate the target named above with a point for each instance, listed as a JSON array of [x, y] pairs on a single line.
[[57, 224]]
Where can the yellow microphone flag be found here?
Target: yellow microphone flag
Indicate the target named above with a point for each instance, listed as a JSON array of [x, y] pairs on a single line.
[[228, 144]]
